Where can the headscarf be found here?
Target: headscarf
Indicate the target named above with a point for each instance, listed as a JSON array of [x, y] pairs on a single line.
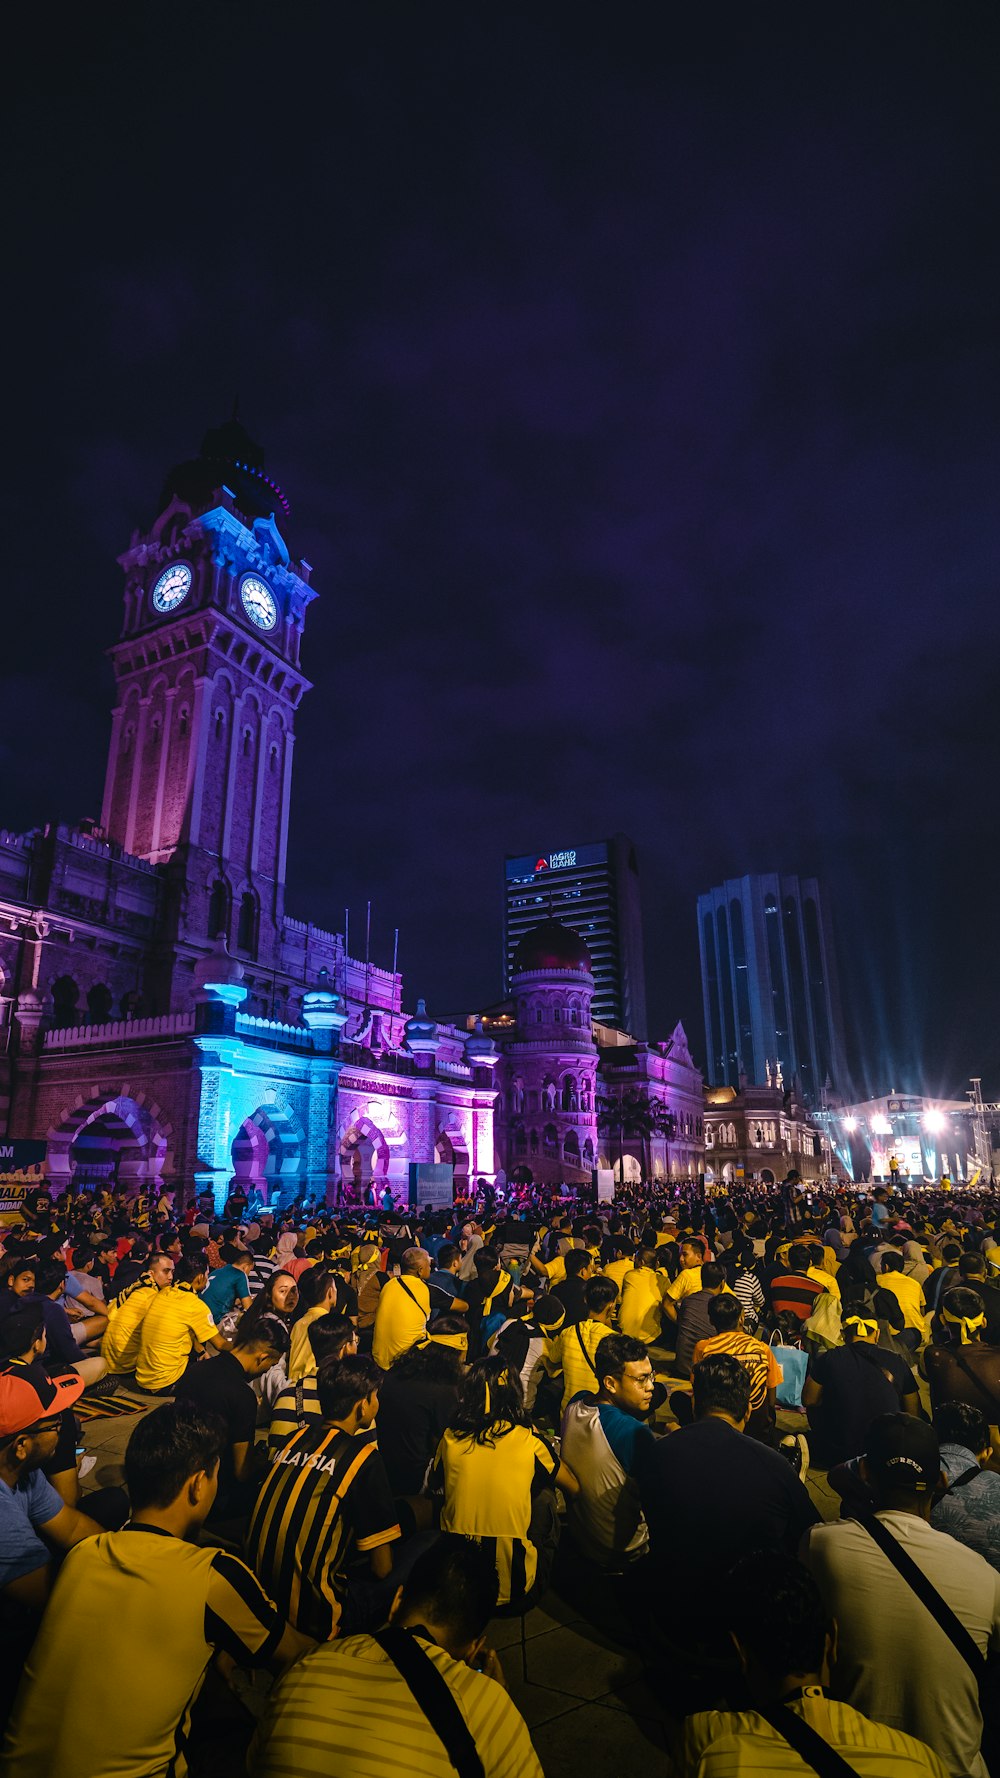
[[968, 1324]]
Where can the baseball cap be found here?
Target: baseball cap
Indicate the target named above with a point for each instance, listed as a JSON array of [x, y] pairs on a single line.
[[904, 1453], [28, 1394]]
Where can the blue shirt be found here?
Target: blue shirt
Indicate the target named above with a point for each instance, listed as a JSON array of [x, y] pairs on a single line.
[[22, 1509], [970, 1514], [224, 1288], [445, 1281], [628, 1437]]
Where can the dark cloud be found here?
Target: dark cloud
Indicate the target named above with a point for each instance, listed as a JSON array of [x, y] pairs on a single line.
[[634, 383]]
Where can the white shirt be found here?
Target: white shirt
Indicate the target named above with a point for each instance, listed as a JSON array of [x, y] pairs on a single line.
[[894, 1662]]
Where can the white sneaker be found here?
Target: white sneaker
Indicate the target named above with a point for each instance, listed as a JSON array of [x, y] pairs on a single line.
[[85, 1465]]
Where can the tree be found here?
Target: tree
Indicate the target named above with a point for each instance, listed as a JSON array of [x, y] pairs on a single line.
[[630, 1112]]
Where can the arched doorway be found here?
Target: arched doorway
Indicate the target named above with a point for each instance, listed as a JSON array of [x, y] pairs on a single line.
[[267, 1154], [450, 1151], [116, 1142], [364, 1160]]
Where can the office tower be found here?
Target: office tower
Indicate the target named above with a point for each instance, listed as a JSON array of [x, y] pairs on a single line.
[[769, 984], [593, 889]]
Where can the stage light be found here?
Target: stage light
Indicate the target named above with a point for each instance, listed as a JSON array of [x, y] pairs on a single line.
[[933, 1121], [850, 1123], [880, 1126]]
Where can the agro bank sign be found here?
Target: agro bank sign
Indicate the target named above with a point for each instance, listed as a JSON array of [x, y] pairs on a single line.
[[539, 864]]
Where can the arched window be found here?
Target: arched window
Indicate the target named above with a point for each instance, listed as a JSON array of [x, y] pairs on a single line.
[[558, 1016], [183, 718], [65, 996], [574, 1015], [274, 756], [534, 1141], [99, 1003], [156, 731], [128, 738], [569, 1096], [246, 935], [538, 1015], [520, 1140], [571, 1148], [588, 1153], [220, 724], [219, 910], [550, 1139], [130, 1004], [247, 743]]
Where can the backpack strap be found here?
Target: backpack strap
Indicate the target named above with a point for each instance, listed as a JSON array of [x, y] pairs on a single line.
[[984, 1389], [819, 1756], [583, 1348], [435, 1698], [928, 1595]]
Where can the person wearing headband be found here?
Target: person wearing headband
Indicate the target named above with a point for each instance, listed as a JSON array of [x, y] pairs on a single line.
[[960, 1364], [851, 1385]]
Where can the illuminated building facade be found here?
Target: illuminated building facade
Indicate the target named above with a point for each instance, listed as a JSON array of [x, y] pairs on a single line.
[[593, 889], [162, 1015], [769, 986]]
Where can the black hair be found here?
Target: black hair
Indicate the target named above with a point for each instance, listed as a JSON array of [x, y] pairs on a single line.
[[892, 1262], [454, 1584], [188, 1268], [490, 1401], [712, 1275], [432, 1363], [263, 1303], [16, 1267], [972, 1265], [342, 1382], [721, 1384], [545, 1309], [313, 1286], [48, 1273], [724, 1312], [269, 1330], [446, 1253], [615, 1352], [960, 1301], [167, 1448], [329, 1336], [959, 1423], [773, 1605], [599, 1292], [577, 1260], [19, 1330], [799, 1256]]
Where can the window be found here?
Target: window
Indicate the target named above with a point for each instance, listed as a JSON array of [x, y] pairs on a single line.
[[246, 936], [65, 996], [274, 756], [220, 725], [183, 718], [99, 1003], [219, 909], [247, 743]]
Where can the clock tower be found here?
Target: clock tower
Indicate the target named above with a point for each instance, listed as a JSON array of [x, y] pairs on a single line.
[[207, 668]]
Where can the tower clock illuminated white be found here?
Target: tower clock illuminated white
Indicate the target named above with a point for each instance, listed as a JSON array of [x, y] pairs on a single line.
[[172, 587], [258, 602]]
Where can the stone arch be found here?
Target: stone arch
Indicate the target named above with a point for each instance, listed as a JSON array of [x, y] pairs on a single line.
[[134, 1133], [451, 1150], [65, 1000], [268, 1150], [364, 1157]]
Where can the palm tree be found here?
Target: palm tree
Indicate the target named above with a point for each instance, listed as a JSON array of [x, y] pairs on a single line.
[[630, 1113]]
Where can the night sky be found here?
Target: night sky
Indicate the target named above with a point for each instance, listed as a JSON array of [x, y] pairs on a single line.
[[634, 379]]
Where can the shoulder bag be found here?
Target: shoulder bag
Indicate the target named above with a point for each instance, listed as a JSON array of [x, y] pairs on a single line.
[[435, 1698]]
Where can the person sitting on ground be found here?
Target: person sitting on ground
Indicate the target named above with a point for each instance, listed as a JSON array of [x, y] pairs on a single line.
[[18, 1280], [688, 1280], [741, 1276], [622, 1257], [730, 1493], [439, 1616], [447, 1295], [854, 1384], [640, 1309], [228, 1288], [794, 1289], [969, 1508], [326, 1497], [694, 1322], [975, 1275], [580, 1269], [727, 1317], [529, 1344], [604, 1440], [126, 1313], [404, 1308], [894, 1660], [36, 1524], [61, 1341], [330, 1336], [786, 1644], [22, 1352], [417, 1401], [164, 1606], [176, 1328], [83, 1293], [318, 1294], [498, 1478], [490, 1294], [576, 1349], [221, 1386], [958, 1365], [910, 1296]]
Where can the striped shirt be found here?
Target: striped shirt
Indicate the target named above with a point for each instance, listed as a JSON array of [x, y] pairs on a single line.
[[326, 1495], [795, 1293], [295, 1406], [487, 1495], [757, 1360], [159, 1607], [727, 1744], [346, 1709]]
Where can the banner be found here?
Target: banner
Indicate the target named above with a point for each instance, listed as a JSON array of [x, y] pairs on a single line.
[[431, 1183], [21, 1176]]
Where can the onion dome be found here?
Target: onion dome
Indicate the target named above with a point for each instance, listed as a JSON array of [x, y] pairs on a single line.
[[219, 976], [421, 1033], [551, 945], [322, 1008], [230, 457], [480, 1050]]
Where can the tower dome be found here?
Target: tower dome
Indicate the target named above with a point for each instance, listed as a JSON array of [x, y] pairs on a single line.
[[551, 945], [228, 456]]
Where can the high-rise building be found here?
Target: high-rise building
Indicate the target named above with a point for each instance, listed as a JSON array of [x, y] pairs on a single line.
[[593, 889], [769, 984]]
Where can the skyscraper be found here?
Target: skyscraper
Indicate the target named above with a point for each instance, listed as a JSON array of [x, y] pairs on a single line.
[[769, 984], [593, 889]]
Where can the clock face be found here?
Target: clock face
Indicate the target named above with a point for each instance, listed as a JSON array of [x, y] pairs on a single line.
[[173, 585], [258, 602]]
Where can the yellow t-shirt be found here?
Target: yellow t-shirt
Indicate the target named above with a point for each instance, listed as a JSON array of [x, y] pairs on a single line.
[[640, 1308], [616, 1269], [401, 1317], [171, 1327], [822, 1276], [910, 1296], [576, 1349], [487, 1493], [686, 1283], [122, 1337], [731, 1744], [554, 1269], [301, 1360]]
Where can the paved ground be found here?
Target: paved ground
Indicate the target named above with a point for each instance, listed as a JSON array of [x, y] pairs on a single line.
[[587, 1700]]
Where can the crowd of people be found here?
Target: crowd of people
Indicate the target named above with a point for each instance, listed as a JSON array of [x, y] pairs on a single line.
[[361, 1436]]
